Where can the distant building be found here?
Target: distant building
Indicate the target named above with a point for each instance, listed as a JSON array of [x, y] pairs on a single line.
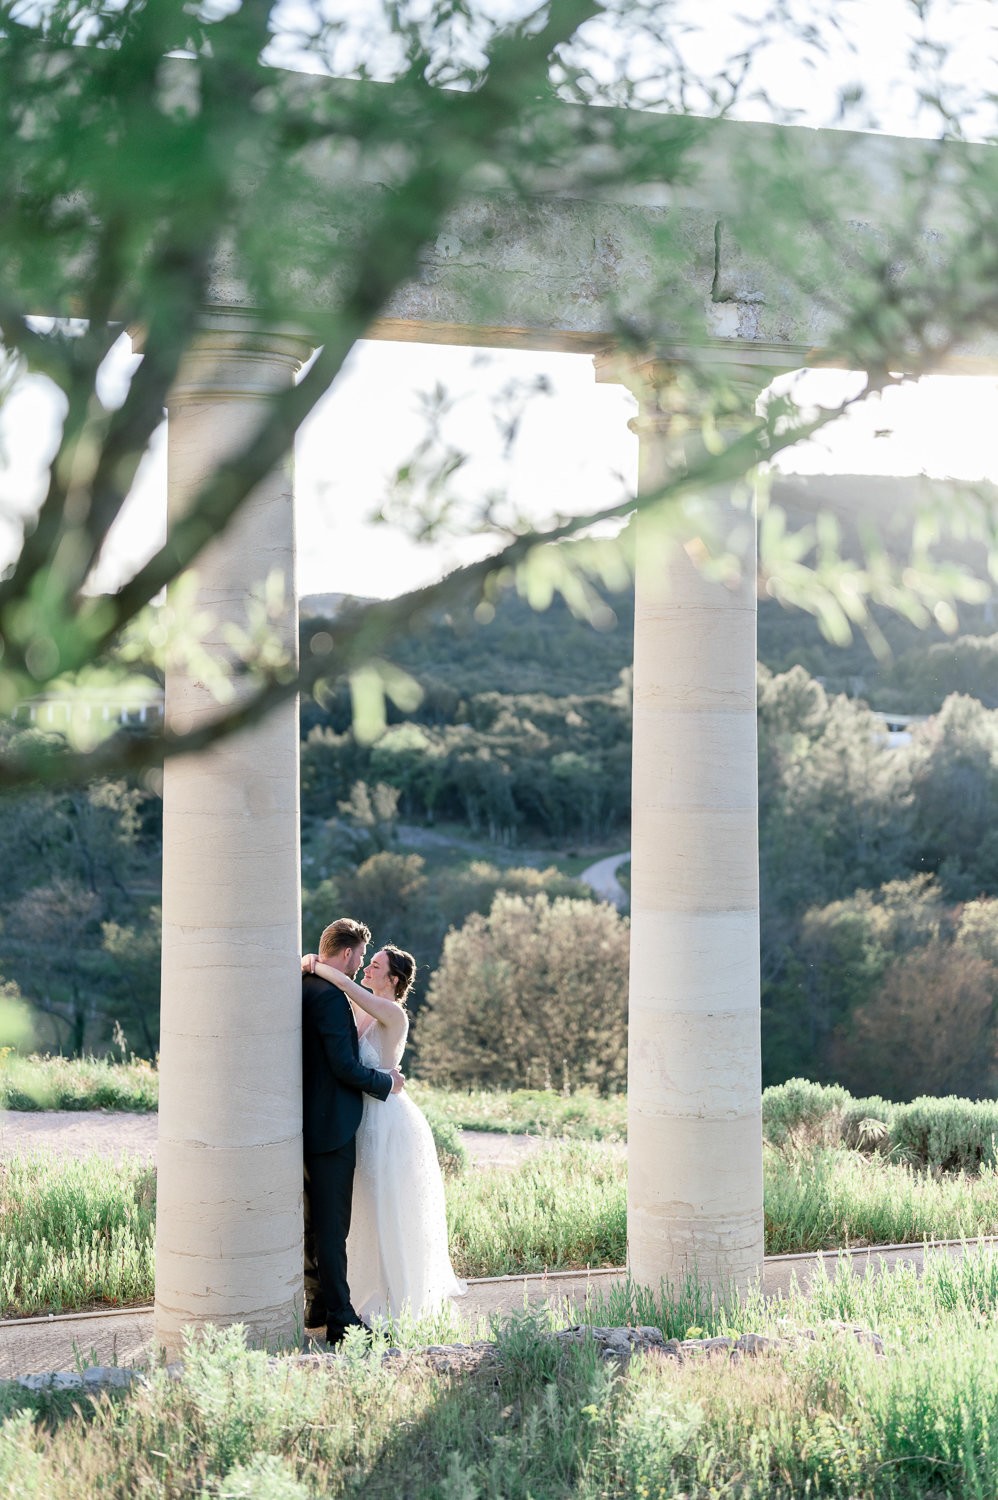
[[897, 727], [50, 712]]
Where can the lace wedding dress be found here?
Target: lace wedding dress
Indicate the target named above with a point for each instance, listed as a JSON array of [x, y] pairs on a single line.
[[397, 1255]]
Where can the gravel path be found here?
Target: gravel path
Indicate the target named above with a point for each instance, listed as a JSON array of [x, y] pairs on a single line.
[[114, 1134]]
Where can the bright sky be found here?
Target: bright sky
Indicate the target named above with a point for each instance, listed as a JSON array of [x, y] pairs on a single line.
[[574, 450]]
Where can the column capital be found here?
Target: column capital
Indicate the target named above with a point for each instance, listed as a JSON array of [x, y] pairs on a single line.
[[675, 386], [235, 355]]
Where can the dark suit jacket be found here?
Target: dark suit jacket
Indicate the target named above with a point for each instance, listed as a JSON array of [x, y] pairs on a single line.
[[333, 1077]]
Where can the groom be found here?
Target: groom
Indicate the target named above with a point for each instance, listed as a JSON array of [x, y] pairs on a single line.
[[333, 1080]]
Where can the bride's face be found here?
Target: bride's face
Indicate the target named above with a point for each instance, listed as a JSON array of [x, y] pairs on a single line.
[[377, 976]]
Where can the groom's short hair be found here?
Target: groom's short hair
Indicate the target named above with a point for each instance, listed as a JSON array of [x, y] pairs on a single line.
[[345, 932]]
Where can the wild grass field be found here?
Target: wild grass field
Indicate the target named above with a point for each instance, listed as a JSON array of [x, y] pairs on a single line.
[[938, 1133], [74, 1235], [823, 1414], [34, 1083]]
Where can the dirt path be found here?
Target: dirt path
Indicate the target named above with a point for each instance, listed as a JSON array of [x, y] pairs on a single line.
[[115, 1134], [602, 877], [77, 1133]]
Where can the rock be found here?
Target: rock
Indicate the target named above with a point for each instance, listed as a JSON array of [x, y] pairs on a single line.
[[57, 1380], [663, 1353], [108, 1377], [448, 1359], [707, 1346], [95, 1378], [860, 1334], [757, 1343], [313, 1360], [577, 1335], [718, 1345], [867, 1336]]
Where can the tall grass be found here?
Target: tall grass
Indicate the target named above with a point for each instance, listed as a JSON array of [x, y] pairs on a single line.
[[830, 1198], [819, 1417], [565, 1207], [74, 1233], [583, 1115], [30, 1083]]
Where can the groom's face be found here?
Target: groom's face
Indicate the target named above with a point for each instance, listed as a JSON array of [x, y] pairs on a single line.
[[354, 959]]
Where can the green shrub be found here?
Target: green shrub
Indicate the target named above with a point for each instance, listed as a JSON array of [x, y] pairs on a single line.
[[866, 1124], [940, 1135], [534, 991], [244, 1407], [654, 1428], [947, 1135], [799, 1113], [264, 1477], [451, 1152]]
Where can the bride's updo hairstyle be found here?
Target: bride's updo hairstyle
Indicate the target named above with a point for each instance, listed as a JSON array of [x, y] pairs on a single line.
[[402, 968]]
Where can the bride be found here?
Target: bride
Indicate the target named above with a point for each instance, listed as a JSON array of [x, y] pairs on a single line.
[[397, 1255]]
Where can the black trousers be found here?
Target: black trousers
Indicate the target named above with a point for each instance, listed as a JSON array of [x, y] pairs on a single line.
[[328, 1200]]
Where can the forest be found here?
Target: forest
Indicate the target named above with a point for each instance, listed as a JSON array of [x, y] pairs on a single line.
[[879, 862]]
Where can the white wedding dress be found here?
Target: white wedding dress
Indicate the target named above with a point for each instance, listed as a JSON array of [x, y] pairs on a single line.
[[397, 1254]]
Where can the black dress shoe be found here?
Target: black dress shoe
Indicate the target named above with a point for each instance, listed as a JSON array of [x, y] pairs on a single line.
[[335, 1334], [315, 1315]]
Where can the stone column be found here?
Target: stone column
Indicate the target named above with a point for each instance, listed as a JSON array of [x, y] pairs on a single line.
[[694, 1080], [229, 1218]]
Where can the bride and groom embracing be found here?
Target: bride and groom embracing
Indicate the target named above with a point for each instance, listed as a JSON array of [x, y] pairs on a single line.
[[374, 1195]]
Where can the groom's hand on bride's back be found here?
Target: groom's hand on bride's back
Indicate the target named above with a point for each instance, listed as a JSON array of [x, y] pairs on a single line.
[[398, 1080]]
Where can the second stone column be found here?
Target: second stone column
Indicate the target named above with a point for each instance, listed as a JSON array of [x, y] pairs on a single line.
[[694, 1089]]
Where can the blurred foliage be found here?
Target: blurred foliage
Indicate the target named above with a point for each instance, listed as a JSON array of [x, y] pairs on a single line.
[[16, 1032], [167, 157], [82, 1083], [513, 767], [841, 833]]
